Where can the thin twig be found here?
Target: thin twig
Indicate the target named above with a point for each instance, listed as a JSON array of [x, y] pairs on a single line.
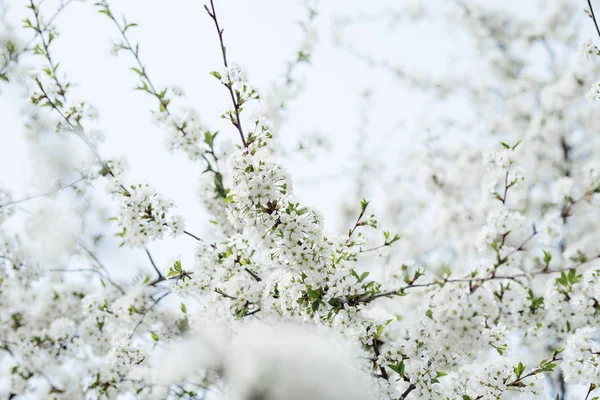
[[192, 235], [134, 51], [409, 389], [590, 390], [95, 271], [236, 105], [147, 311], [44, 194], [80, 134], [160, 275], [384, 373], [401, 291], [253, 275], [594, 17], [14, 57], [91, 254]]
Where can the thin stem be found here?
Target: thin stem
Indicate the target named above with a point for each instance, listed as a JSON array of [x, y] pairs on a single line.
[[505, 188], [8, 342], [253, 275], [44, 194], [46, 44], [401, 291], [91, 254], [147, 311], [79, 133], [409, 389], [164, 102], [192, 235], [95, 271], [594, 17], [253, 312], [384, 373], [15, 56], [236, 105], [160, 275], [590, 390], [533, 372], [381, 246], [356, 225]]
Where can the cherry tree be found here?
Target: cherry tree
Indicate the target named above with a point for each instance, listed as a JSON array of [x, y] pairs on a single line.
[[486, 286]]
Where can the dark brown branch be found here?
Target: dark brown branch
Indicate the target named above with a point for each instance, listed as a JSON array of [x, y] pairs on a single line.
[[409, 389], [161, 277], [192, 235], [594, 17], [253, 275], [590, 390], [384, 373]]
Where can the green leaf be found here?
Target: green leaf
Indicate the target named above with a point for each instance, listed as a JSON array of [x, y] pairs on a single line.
[[573, 277], [547, 257], [519, 369], [563, 279], [208, 138], [216, 74], [154, 336], [506, 146], [105, 11], [313, 294], [175, 270], [398, 367], [549, 367], [4, 77], [438, 375], [363, 205], [315, 305]]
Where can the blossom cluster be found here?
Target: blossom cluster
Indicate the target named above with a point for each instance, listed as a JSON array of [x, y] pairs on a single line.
[[485, 297], [144, 215]]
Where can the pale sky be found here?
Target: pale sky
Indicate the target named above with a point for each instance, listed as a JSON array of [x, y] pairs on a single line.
[[179, 46]]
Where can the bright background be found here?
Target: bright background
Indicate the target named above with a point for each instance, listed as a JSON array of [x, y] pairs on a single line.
[[179, 47]]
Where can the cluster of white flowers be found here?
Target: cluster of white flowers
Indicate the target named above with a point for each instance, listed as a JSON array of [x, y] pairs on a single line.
[[260, 195], [284, 295], [183, 132], [588, 50], [212, 194], [593, 95], [582, 356], [144, 215]]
